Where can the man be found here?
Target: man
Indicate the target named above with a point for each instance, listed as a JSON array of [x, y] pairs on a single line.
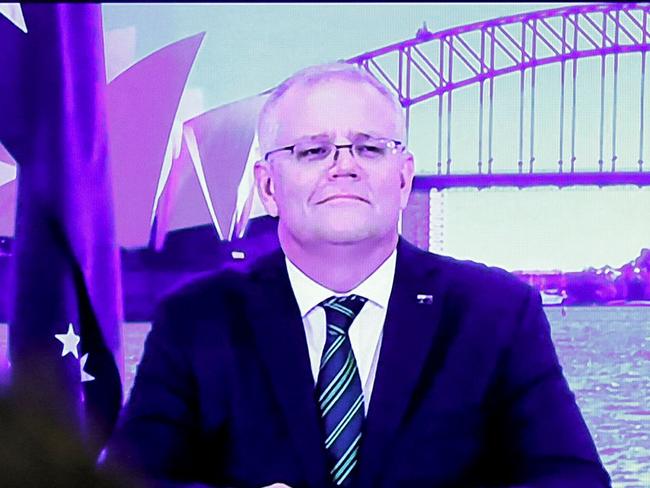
[[350, 357]]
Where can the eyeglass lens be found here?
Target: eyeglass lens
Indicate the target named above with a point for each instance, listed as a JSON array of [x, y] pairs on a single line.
[[368, 149]]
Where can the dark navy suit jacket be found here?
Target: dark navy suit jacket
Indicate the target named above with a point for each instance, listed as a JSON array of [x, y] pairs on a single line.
[[468, 391]]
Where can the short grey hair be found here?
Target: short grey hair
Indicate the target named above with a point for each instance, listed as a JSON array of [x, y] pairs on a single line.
[[315, 75]]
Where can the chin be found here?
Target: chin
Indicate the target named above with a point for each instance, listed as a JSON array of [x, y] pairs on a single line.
[[344, 236]]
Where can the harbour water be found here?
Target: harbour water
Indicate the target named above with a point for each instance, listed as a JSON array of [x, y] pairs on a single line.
[[605, 353]]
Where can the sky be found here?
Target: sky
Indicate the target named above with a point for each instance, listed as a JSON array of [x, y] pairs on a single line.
[[249, 48]]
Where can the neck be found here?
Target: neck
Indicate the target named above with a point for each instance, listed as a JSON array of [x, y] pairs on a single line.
[[339, 267]]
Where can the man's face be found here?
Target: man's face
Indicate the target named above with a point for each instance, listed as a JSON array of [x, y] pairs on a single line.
[[334, 201]]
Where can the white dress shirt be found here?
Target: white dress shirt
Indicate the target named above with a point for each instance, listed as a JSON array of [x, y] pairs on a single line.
[[365, 332]]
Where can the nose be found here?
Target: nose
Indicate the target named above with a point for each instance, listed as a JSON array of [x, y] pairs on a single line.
[[344, 163], [339, 148]]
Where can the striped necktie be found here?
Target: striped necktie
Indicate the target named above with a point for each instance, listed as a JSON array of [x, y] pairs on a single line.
[[340, 396]]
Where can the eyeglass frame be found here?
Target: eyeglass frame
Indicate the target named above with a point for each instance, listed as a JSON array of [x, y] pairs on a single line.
[[337, 146]]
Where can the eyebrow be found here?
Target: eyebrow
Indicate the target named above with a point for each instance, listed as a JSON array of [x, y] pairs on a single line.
[[351, 135], [316, 137]]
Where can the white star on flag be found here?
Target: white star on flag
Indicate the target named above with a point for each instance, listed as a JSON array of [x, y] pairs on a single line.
[[15, 15], [85, 376], [70, 342]]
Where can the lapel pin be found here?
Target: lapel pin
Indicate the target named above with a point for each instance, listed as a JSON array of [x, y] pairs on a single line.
[[425, 299]]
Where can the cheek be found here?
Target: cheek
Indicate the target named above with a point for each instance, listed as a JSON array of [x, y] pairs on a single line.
[[388, 189], [295, 190]]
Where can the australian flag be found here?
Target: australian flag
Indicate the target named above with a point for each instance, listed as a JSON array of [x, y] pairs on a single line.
[[64, 328]]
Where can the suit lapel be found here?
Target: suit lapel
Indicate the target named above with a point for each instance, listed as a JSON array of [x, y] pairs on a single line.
[[409, 331], [280, 337]]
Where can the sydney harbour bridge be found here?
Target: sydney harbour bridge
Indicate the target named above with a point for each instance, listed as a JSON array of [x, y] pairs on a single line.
[[606, 44]]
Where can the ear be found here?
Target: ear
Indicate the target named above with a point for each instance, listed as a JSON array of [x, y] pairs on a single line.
[[407, 172], [265, 187]]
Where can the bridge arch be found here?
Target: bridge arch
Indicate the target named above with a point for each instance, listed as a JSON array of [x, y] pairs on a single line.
[[437, 64]]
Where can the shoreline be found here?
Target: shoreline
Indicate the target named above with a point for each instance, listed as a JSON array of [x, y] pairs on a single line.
[[617, 303]]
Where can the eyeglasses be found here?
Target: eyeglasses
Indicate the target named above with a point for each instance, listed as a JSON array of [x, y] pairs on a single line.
[[368, 149]]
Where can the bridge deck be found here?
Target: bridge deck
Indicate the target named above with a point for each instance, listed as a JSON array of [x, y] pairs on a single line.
[[475, 180]]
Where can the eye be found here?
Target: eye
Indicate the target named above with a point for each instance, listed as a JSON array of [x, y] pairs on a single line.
[[312, 152], [370, 150]]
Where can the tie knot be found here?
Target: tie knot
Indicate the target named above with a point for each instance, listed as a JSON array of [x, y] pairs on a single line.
[[341, 311]]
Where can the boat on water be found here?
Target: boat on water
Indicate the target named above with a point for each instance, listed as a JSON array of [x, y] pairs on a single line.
[[553, 297]]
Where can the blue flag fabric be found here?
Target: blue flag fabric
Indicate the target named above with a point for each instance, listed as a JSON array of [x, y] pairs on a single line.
[[64, 332]]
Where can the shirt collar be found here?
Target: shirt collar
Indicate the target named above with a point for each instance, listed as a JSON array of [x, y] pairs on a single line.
[[376, 287]]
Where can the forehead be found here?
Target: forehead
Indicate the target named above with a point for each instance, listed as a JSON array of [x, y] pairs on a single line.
[[336, 107]]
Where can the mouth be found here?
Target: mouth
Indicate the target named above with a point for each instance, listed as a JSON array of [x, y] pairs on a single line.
[[343, 197]]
